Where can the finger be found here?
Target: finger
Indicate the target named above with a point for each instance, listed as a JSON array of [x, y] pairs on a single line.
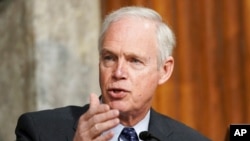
[[95, 104], [84, 130], [99, 118], [95, 107], [99, 128], [94, 117], [102, 117], [105, 137], [94, 100]]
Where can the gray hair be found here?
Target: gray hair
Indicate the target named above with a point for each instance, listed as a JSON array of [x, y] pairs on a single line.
[[165, 36]]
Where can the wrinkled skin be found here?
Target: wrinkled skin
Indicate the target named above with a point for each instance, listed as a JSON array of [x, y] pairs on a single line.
[[129, 75]]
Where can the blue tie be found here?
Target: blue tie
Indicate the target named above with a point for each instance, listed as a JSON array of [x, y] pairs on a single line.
[[128, 134]]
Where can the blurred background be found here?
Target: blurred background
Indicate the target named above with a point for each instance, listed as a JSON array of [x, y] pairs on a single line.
[[49, 59]]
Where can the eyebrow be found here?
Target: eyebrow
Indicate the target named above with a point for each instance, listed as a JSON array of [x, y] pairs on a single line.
[[104, 50], [130, 54]]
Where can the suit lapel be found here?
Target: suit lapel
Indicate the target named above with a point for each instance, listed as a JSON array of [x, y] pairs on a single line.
[[157, 128], [76, 115]]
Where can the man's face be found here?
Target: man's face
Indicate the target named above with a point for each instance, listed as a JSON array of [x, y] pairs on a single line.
[[128, 67]]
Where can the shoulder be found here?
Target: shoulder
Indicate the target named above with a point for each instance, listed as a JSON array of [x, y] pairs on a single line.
[[69, 112], [55, 116], [46, 123], [173, 129]]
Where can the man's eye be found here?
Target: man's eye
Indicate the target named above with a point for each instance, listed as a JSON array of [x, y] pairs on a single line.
[[108, 58], [136, 63], [134, 60]]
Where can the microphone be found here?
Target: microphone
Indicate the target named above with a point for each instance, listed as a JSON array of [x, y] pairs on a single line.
[[145, 135]]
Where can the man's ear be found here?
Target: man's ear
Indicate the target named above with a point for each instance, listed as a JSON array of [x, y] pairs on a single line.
[[166, 70]]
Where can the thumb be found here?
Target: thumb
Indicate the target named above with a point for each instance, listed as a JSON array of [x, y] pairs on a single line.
[[94, 100]]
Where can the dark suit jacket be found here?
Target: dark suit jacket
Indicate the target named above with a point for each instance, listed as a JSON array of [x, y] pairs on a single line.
[[60, 125]]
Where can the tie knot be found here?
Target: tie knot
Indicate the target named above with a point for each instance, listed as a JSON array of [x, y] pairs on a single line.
[[128, 134]]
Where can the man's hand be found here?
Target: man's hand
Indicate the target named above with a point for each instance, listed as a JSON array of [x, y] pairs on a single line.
[[95, 121]]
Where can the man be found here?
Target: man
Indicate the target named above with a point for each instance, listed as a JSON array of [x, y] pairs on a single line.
[[135, 49]]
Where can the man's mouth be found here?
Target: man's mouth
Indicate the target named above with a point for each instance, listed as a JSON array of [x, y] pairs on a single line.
[[117, 93]]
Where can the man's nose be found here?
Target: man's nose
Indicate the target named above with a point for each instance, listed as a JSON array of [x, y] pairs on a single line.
[[120, 71]]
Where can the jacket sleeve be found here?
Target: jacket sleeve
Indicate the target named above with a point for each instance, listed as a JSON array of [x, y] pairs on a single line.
[[26, 129]]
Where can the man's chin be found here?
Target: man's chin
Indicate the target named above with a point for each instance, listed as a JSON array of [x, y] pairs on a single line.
[[119, 105]]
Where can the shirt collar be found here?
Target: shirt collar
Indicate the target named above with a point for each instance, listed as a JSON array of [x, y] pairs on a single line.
[[139, 127]]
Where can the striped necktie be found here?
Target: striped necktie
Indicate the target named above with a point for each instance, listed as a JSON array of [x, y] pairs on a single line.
[[128, 134]]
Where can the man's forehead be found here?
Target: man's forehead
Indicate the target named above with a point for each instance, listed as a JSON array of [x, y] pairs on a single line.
[[130, 35], [131, 28], [132, 21]]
